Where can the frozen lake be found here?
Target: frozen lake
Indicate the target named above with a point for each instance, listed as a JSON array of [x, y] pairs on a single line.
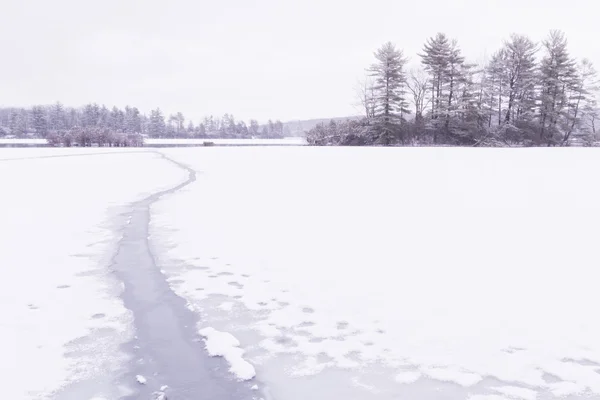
[[364, 273]]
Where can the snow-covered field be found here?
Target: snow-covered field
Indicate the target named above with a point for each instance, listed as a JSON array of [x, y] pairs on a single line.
[[62, 320], [394, 273]]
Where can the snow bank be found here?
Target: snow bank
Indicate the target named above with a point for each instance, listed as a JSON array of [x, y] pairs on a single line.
[[224, 344], [62, 319], [23, 141], [464, 265]]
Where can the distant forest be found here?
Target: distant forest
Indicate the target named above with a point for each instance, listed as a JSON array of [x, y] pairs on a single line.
[[99, 125], [526, 94]]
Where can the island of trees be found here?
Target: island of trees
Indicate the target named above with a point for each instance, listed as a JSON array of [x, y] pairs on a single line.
[[526, 94], [94, 124]]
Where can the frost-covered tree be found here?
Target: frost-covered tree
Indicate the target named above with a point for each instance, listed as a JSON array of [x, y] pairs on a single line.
[[57, 117], [157, 126], [91, 115], [132, 122], [435, 59], [582, 103], [391, 106], [191, 129], [201, 131], [116, 120], [39, 121], [18, 122], [520, 77], [365, 93], [417, 86], [253, 130], [443, 61], [558, 76]]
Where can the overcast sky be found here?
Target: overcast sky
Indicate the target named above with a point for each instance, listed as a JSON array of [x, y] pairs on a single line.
[[279, 59]]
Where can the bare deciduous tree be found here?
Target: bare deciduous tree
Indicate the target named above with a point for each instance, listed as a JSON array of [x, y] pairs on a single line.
[[417, 85], [365, 93]]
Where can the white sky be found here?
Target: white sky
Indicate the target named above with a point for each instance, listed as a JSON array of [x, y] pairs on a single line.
[[279, 59]]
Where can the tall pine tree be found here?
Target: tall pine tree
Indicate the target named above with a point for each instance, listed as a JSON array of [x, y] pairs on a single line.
[[389, 85]]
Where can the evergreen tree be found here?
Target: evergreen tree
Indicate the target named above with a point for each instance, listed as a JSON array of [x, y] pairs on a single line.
[[18, 122], [39, 121], [254, 128], [132, 122], [520, 77], [156, 127], [558, 75], [435, 59], [117, 120], [389, 80], [57, 117]]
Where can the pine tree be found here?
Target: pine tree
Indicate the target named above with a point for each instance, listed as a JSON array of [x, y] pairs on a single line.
[[558, 75], [581, 101], [18, 122], [91, 115], [455, 76], [254, 128], [443, 60], [57, 117], [132, 122], [435, 59], [157, 127], [389, 85], [201, 130], [39, 121], [520, 77], [117, 120]]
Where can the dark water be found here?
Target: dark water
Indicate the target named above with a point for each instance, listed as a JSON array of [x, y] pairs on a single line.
[[167, 349]]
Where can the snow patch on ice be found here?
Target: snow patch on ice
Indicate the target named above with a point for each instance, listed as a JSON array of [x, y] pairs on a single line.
[[224, 344], [452, 374], [226, 306], [515, 392], [407, 377]]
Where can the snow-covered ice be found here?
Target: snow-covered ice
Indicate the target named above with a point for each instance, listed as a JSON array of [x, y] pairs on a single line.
[[62, 320], [470, 270], [224, 344], [290, 141]]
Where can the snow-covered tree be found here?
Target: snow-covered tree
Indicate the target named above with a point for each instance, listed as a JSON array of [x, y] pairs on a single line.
[[582, 104], [391, 106], [132, 122], [57, 117], [254, 128], [157, 126], [443, 61], [18, 122], [435, 59], [39, 121], [417, 86], [558, 76], [520, 77]]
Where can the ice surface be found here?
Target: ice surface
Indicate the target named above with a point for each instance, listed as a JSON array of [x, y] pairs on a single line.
[[225, 345], [472, 268], [283, 141], [62, 320]]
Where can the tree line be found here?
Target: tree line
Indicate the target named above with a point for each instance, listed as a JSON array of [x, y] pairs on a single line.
[[94, 124], [526, 94]]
